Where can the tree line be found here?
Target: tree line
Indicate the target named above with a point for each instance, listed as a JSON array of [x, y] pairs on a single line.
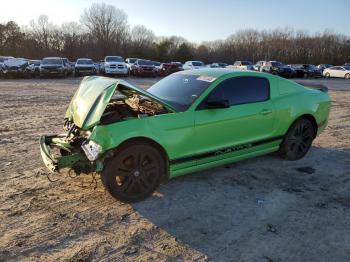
[[104, 30]]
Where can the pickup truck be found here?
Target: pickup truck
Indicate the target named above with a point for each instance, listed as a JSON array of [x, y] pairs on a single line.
[[115, 65]]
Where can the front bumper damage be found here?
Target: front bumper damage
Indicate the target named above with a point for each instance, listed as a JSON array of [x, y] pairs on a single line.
[[68, 155]]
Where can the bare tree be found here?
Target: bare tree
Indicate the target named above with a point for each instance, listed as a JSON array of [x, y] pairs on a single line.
[[107, 24], [104, 30]]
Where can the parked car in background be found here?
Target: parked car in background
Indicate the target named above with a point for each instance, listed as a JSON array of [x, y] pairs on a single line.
[[306, 70], [337, 71], [68, 66], [157, 65], [84, 66], [35, 64], [217, 65], [179, 65], [52, 66], [193, 65], [115, 65], [4, 58], [278, 68], [169, 68], [259, 65], [143, 67], [242, 65], [130, 63], [346, 64], [322, 67], [17, 67]]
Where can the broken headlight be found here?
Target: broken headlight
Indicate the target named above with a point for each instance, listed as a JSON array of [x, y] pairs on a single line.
[[91, 149]]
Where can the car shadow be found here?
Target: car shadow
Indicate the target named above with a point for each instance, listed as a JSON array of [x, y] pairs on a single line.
[[253, 210]]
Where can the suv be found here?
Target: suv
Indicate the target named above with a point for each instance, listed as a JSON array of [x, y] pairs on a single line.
[[84, 66], [243, 65], [278, 68], [53, 66], [115, 65], [144, 67], [17, 67]]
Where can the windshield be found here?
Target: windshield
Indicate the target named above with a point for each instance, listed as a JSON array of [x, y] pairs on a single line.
[[132, 60], [144, 62], [114, 59], [51, 61], [179, 90], [197, 63], [84, 62], [156, 63], [246, 63], [277, 64], [35, 62]]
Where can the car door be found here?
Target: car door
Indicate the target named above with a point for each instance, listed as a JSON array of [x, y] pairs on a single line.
[[248, 118], [341, 72], [336, 71]]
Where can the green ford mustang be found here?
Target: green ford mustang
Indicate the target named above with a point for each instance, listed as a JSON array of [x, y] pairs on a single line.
[[188, 121]]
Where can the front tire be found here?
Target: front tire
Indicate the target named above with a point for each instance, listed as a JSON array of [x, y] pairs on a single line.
[[134, 172], [347, 76], [298, 140]]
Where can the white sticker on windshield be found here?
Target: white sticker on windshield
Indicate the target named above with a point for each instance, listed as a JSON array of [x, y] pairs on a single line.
[[206, 78]]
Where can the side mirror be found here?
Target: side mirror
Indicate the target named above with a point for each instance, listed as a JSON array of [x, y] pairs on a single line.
[[219, 103]]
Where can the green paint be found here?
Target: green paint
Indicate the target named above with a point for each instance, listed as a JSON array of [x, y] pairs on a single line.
[[229, 133]]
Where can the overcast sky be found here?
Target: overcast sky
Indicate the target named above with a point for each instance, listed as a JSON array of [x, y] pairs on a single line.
[[197, 20]]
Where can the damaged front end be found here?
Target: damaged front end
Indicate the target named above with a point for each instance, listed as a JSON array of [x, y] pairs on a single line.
[[99, 101]]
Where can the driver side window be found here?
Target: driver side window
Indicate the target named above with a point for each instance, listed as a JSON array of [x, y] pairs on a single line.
[[241, 90]]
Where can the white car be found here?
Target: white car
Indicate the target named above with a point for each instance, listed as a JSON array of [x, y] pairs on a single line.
[[243, 65], [193, 65], [115, 65], [337, 71], [130, 62], [259, 65]]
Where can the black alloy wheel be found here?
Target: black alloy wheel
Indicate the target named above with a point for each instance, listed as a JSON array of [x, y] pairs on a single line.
[[298, 140], [134, 172]]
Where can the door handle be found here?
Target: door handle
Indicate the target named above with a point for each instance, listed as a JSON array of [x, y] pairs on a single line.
[[265, 112]]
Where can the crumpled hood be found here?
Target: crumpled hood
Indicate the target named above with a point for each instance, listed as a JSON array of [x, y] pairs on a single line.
[[93, 95]]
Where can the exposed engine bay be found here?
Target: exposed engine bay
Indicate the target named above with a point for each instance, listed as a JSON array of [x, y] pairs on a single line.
[[119, 108], [136, 106]]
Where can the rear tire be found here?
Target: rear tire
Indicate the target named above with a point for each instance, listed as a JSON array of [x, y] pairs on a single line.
[[327, 75], [298, 140], [134, 172]]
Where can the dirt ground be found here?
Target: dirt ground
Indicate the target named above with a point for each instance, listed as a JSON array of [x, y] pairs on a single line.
[[262, 209]]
